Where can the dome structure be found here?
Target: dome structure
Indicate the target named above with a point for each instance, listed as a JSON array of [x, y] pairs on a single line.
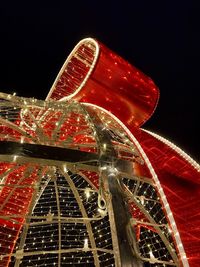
[[82, 184]]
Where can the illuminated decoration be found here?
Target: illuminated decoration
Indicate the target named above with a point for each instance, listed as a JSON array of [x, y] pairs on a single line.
[[82, 184]]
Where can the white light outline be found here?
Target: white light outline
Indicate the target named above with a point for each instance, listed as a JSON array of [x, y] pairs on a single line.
[[96, 55], [176, 148]]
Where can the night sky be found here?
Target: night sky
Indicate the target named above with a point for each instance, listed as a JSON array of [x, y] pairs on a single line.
[[161, 38]]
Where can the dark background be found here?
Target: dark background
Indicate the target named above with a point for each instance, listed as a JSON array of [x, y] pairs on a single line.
[[162, 38]]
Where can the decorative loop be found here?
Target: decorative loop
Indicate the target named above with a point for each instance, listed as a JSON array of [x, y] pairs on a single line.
[[94, 74]]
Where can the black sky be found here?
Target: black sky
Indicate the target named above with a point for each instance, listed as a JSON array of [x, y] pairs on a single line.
[[162, 38]]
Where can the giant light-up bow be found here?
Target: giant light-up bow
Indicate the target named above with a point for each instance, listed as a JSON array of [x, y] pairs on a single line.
[[86, 138]]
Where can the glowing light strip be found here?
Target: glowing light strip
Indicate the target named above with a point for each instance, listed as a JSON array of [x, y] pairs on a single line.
[[177, 149], [158, 185], [84, 41]]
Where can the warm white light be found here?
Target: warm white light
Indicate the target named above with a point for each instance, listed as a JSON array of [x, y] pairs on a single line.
[[102, 212], [142, 198], [152, 258], [86, 243], [104, 147], [87, 192], [64, 168], [112, 170]]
